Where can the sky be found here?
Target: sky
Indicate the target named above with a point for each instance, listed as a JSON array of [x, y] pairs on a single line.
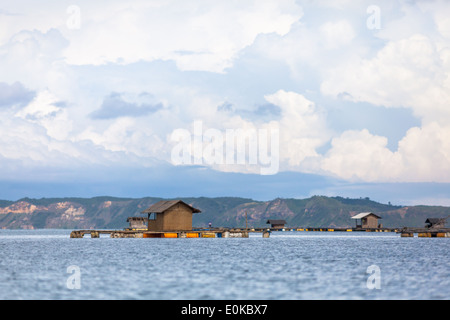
[[258, 99]]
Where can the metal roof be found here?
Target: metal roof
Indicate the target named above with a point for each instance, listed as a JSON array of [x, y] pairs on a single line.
[[136, 218], [163, 205], [276, 221], [365, 214]]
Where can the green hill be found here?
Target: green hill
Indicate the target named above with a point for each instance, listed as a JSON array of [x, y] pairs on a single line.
[[112, 213]]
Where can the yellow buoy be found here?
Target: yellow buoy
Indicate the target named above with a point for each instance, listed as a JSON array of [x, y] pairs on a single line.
[[424, 235], [191, 235], [170, 235], [208, 235]]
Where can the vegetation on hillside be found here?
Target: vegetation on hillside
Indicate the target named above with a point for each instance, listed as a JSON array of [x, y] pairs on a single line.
[[110, 212]]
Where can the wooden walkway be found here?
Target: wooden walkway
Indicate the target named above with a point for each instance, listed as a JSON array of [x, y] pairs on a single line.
[[244, 233], [112, 233], [210, 232]]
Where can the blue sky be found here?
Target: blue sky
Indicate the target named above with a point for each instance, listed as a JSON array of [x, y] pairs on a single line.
[[358, 91]]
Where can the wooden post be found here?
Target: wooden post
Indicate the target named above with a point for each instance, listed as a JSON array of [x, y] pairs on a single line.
[[95, 234], [76, 234]]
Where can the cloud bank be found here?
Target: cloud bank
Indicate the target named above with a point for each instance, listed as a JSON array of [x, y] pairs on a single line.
[[109, 84]]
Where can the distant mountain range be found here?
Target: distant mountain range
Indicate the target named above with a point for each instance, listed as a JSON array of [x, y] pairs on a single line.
[[112, 213]]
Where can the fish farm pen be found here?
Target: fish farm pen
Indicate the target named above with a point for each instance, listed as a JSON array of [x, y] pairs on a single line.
[[173, 219], [244, 233]]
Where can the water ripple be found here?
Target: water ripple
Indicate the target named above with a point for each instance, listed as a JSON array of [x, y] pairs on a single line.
[[294, 265]]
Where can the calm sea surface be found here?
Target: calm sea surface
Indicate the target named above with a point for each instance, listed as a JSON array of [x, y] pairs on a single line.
[[47, 264]]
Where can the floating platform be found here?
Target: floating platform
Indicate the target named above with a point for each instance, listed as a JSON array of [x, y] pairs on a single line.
[[343, 229], [209, 233], [196, 234], [244, 233], [162, 234], [425, 233], [434, 235], [112, 233]]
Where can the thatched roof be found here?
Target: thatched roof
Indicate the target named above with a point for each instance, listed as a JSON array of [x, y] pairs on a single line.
[[435, 222], [164, 205]]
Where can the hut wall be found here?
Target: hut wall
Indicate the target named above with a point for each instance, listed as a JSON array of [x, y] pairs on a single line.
[[151, 225], [369, 222], [178, 217], [138, 223], [156, 224]]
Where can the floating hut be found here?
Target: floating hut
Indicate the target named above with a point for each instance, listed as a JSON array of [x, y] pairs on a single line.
[[435, 223], [276, 224], [434, 228], [368, 220], [170, 215], [165, 219]]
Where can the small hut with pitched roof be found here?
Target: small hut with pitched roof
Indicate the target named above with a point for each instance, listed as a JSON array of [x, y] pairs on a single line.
[[435, 223], [276, 224], [170, 215], [369, 220]]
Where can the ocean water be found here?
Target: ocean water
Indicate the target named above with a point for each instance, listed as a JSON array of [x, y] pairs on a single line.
[[47, 264]]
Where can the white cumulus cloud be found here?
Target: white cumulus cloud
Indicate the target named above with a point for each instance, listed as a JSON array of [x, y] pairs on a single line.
[[198, 35], [423, 155]]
